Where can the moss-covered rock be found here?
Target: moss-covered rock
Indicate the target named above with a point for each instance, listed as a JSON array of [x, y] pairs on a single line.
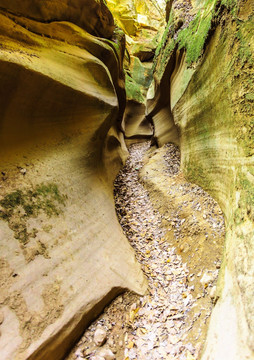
[[133, 90]]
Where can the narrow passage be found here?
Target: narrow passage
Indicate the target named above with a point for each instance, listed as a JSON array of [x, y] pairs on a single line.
[[169, 322]]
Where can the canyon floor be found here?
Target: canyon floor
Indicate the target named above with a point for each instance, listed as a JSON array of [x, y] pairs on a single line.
[[177, 232]]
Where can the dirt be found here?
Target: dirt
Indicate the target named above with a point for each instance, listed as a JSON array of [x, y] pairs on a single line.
[[177, 231]]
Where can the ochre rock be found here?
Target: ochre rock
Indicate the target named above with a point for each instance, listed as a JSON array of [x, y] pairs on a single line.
[[63, 255], [135, 124], [133, 15], [206, 93], [91, 15]]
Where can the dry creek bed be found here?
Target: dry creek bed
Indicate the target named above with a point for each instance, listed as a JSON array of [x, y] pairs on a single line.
[[177, 231]]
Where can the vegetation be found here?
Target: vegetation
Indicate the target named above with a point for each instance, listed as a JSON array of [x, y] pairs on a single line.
[[17, 207], [133, 90], [165, 47], [193, 37], [246, 201]]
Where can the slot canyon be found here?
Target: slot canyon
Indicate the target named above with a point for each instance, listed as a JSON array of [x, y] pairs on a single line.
[[127, 180]]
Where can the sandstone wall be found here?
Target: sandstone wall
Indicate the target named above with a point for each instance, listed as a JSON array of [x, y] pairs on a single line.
[[63, 255], [208, 94]]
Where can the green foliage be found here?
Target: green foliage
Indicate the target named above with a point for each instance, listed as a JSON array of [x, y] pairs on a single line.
[[17, 207]]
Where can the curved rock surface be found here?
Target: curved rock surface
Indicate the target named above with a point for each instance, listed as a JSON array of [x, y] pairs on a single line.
[[78, 12], [63, 255], [203, 89]]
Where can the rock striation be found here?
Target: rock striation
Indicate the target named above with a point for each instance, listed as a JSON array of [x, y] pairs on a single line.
[[202, 98], [63, 255]]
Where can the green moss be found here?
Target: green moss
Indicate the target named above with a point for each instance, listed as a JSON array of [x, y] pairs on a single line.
[[244, 127], [246, 201], [196, 174], [249, 96], [230, 5], [244, 36], [168, 33], [133, 91], [193, 38], [12, 200], [17, 207]]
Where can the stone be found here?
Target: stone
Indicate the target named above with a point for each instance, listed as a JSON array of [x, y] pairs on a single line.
[[207, 278], [111, 342], [212, 292], [23, 171], [79, 353], [107, 354], [100, 336]]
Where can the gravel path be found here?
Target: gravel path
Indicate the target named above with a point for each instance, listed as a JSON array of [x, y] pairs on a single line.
[[157, 321], [154, 326]]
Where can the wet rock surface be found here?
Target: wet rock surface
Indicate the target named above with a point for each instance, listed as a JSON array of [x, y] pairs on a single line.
[[170, 321]]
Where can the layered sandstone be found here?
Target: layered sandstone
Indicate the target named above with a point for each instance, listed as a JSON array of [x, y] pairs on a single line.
[[63, 255]]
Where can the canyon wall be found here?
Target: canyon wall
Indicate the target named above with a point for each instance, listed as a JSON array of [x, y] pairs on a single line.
[[202, 98], [63, 255]]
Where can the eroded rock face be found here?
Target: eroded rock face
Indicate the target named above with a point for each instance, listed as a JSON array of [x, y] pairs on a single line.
[[91, 15], [62, 252], [132, 15], [142, 23], [203, 80]]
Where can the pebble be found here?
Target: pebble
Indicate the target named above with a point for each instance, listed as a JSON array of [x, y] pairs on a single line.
[[106, 354], [100, 337], [207, 278], [212, 292]]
